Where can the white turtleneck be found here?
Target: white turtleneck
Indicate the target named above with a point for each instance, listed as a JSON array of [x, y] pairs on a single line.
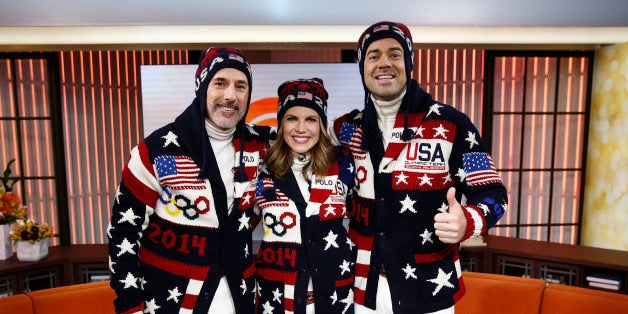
[[298, 162], [386, 114], [224, 151]]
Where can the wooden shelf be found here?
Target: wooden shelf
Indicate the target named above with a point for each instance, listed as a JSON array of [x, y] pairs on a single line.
[[561, 253], [64, 265], [568, 264]]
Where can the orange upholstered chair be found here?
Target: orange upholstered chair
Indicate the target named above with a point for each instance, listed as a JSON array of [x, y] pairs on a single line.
[[19, 303], [576, 300], [90, 298], [499, 294]]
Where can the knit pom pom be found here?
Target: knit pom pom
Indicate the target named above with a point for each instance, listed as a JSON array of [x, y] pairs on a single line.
[[407, 134]]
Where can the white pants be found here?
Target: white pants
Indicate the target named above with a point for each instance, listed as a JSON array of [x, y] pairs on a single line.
[[383, 302], [222, 302]]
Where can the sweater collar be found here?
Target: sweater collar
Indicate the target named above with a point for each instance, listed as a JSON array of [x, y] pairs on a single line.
[[217, 134], [387, 109]]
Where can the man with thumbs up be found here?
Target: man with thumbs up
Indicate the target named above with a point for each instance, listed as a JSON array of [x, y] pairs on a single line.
[[415, 158]]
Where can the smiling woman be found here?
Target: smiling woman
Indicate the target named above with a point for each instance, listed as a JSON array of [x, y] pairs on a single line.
[[301, 203]]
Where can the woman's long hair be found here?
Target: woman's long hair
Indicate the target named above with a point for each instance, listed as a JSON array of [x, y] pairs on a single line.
[[279, 156]]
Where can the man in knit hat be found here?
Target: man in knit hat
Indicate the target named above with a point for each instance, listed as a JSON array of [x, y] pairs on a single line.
[[415, 159], [180, 230]]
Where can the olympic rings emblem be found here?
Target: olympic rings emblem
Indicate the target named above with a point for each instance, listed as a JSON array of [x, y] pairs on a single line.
[[280, 226], [361, 174], [191, 210]]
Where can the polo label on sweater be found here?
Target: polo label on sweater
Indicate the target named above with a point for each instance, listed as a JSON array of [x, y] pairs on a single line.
[[251, 161]]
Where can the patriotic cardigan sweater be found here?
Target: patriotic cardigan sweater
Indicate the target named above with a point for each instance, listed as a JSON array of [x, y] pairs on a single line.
[[393, 203], [168, 227], [305, 239]]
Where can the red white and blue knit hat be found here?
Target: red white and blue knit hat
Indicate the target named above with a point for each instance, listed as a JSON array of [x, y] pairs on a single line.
[[211, 61], [308, 93], [382, 30], [400, 33], [215, 59]]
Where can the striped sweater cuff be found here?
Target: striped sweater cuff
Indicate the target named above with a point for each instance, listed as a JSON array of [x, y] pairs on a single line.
[[476, 224]]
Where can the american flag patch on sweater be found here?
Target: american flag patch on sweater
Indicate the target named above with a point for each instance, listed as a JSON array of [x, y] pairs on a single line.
[[480, 169], [178, 173]]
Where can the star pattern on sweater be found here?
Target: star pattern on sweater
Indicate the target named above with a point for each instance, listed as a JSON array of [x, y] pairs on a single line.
[[129, 281], [348, 300], [109, 228], [471, 139], [170, 138], [461, 174], [111, 263], [434, 109], [420, 130], [334, 297], [142, 282], [174, 294], [128, 216], [345, 267], [443, 208], [440, 131], [251, 129], [425, 179], [426, 236], [258, 288], [401, 177], [409, 270], [330, 210], [441, 280], [244, 222], [331, 240], [151, 306], [350, 243], [243, 287], [484, 208], [246, 250], [125, 247], [447, 178], [407, 204], [277, 295], [246, 199], [350, 168], [268, 309], [118, 194]]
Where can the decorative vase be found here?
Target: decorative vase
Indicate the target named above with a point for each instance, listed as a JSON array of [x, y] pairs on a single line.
[[32, 252], [6, 245]]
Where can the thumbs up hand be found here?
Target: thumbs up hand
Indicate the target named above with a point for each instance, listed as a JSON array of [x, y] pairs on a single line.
[[452, 225]]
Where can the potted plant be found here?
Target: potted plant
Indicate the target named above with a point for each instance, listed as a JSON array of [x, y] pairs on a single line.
[[32, 240], [11, 210]]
